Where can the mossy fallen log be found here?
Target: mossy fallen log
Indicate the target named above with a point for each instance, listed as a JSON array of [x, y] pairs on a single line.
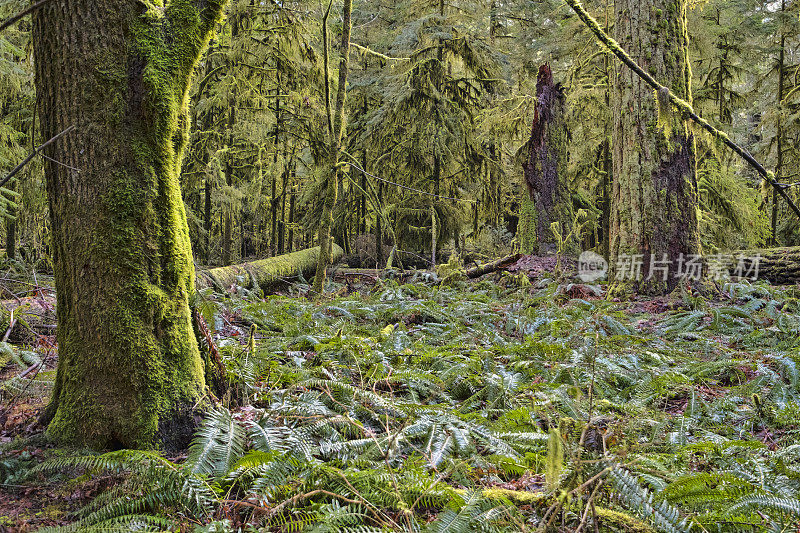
[[494, 266], [265, 273], [779, 266]]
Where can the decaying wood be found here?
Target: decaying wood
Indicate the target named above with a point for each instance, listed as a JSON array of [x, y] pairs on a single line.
[[266, 273], [546, 166], [494, 266]]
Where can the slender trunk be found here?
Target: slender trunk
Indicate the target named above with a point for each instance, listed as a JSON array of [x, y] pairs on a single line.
[[129, 372], [779, 131], [227, 234], [11, 230], [362, 219], [332, 162], [379, 227], [273, 206], [434, 231], [11, 236], [608, 176], [608, 163], [654, 202], [227, 237], [292, 201], [207, 220], [282, 221]]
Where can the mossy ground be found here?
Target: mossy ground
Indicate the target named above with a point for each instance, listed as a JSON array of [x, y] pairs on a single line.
[[678, 393]]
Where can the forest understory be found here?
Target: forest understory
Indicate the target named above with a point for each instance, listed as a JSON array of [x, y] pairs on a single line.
[[571, 299], [512, 403]]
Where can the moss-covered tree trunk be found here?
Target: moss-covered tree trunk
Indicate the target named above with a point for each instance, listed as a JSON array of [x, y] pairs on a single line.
[[129, 371], [546, 167], [654, 196]]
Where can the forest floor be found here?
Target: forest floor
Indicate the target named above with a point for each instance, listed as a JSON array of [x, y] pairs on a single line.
[[505, 404]]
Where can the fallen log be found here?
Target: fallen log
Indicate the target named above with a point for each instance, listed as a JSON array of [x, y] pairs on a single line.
[[493, 266], [265, 273], [779, 266]]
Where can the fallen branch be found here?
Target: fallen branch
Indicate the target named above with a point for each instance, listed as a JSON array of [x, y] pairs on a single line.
[[488, 268], [12, 322], [681, 104], [33, 154]]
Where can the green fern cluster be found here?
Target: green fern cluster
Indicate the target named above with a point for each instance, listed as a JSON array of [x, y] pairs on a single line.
[[415, 406]]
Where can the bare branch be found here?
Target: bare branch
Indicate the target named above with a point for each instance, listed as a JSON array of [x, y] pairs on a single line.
[[15, 18], [27, 160]]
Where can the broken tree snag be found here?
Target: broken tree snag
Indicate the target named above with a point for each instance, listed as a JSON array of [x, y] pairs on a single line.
[[488, 268], [266, 273], [546, 167]]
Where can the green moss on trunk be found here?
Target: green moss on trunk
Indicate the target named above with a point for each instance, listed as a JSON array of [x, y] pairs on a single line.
[[267, 272], [130, 372]]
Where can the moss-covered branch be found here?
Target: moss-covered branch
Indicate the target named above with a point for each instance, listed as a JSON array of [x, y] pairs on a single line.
[[682, 105]]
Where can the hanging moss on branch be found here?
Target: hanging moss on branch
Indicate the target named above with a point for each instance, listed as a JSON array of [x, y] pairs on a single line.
[[680, 104], [266, 273]]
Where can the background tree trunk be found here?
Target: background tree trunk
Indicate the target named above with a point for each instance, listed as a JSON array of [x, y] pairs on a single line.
[[546, 167], [332, 161], [129, 371], [654, 196]]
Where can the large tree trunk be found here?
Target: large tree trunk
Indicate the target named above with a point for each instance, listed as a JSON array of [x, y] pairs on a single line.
[[779, 129], [654, 198], [129, 372], [546, 167]]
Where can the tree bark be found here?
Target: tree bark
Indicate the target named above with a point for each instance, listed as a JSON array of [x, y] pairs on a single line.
[[227, 236], [654, 198], [11, 235], [292, 201], [129, 372], [266, 273], [546, 167], [379, 260], [780, 266]]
